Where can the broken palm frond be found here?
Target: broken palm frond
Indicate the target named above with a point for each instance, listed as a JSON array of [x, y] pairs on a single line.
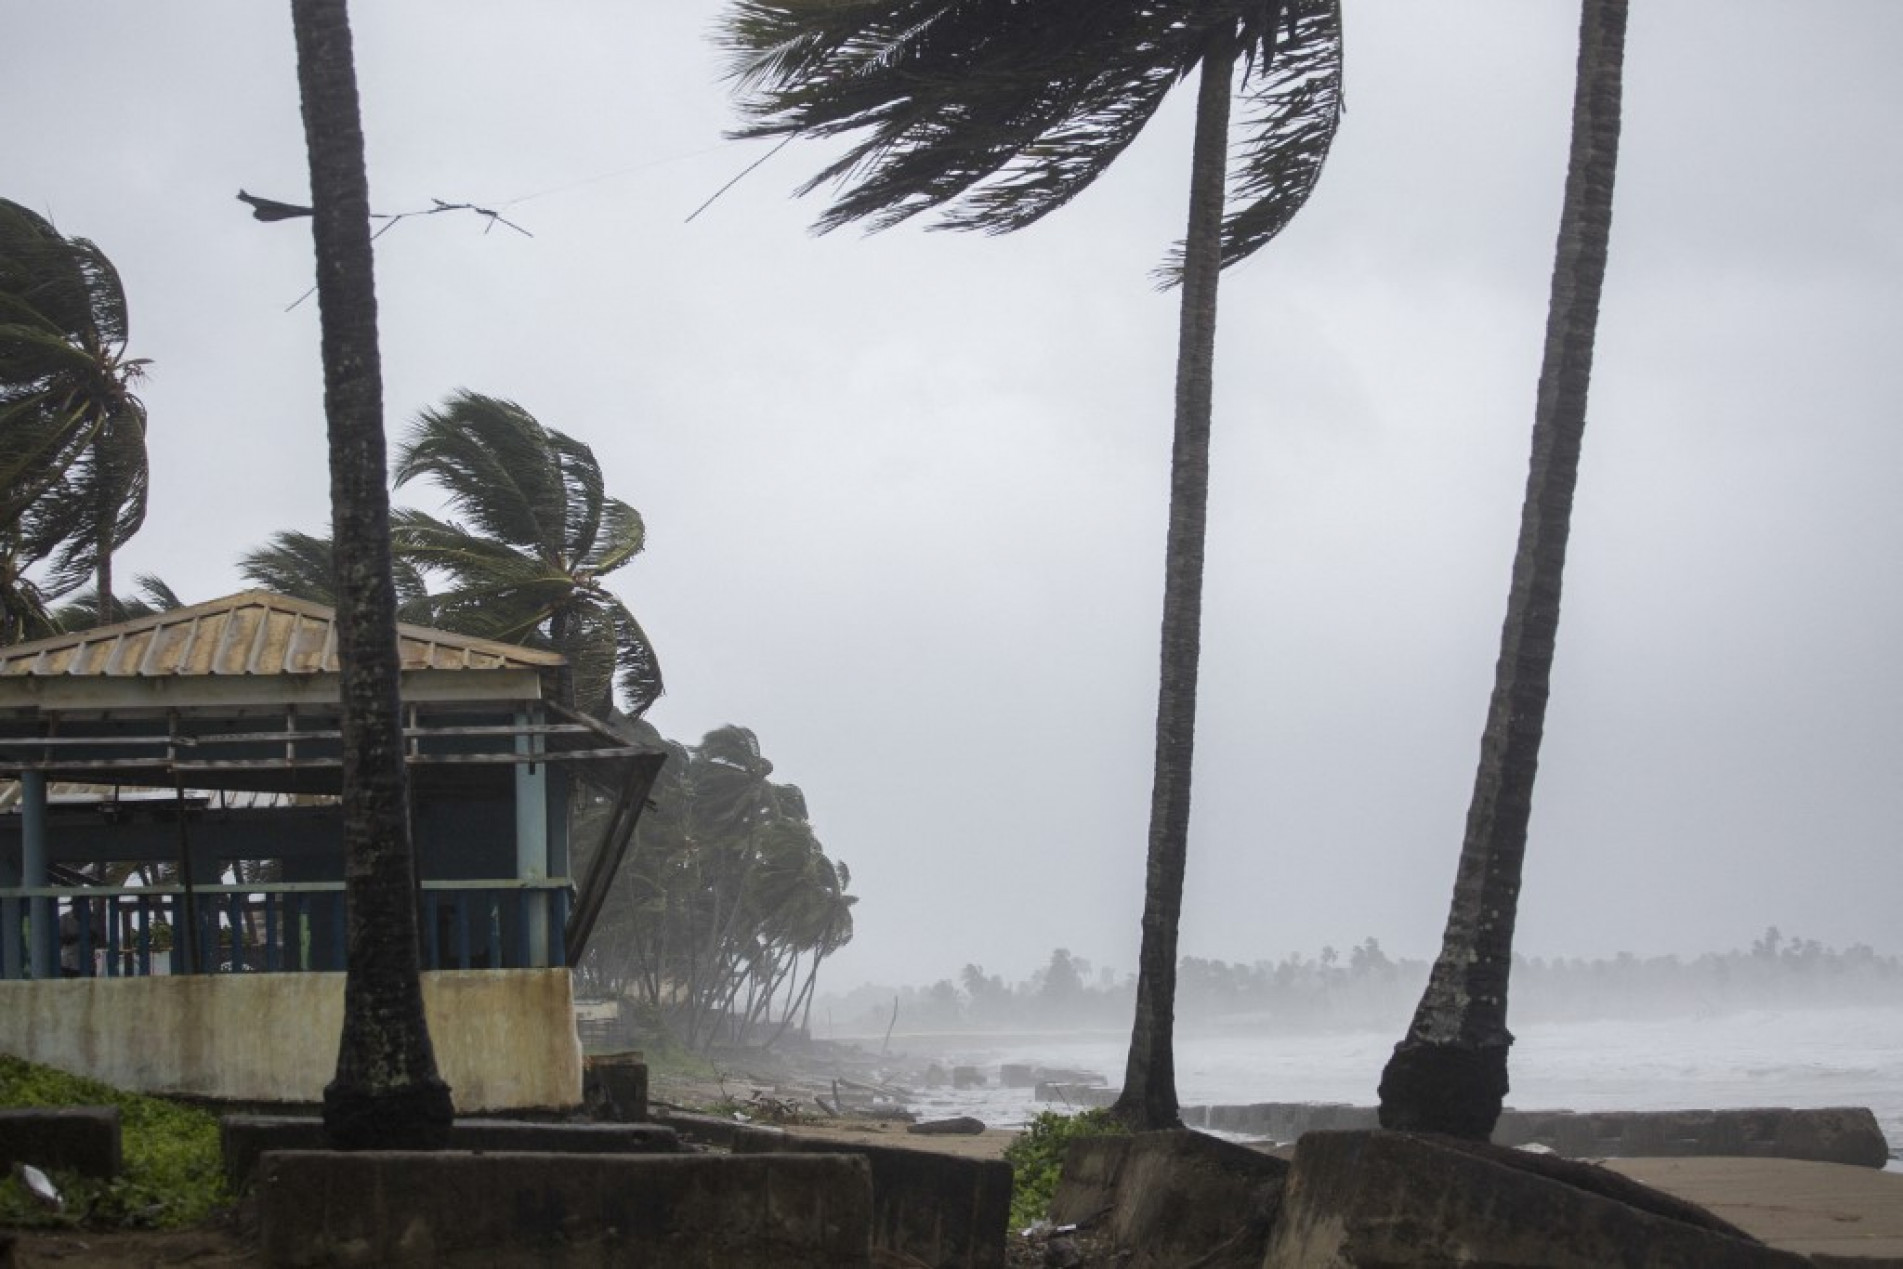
[[270, 209]]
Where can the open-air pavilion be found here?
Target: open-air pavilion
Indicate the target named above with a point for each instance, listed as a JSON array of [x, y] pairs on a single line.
[[173, 805]]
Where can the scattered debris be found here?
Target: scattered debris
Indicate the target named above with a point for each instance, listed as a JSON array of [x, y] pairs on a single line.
[[961, 1125], [40, 1186]]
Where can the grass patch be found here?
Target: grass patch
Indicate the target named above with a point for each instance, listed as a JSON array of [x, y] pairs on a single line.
[[1037, 1158], [173, 1172]]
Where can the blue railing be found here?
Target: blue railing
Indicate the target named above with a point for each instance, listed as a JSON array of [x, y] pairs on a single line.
[[278, 927]]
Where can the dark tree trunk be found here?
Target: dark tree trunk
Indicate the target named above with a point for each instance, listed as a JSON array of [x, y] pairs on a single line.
[[1450, 1072], [387, 1093], [1148, 1100]]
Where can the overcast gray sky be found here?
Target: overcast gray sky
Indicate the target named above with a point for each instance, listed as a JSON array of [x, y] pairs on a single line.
[[905, 494]]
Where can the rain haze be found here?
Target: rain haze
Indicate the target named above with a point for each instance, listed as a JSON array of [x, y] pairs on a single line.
[[905, 493]]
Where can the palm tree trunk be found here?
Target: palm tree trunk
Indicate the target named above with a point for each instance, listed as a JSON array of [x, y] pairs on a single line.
[[1450, 1072], [1148, 1100], [387, 1093]]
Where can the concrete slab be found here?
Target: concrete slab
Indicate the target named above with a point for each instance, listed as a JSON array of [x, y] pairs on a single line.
[[928, 1209], [564, 1211], [82, 1139], [1366, 1199], [244, 1139], [1171, 1198]]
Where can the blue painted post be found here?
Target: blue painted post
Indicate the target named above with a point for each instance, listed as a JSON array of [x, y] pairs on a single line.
[[462, 929], [556, 941], [42, 921], [12, 920], [113, 917], [273, 953], [531, 835]]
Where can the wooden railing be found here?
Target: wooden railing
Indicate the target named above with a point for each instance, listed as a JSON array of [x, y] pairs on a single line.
[[275, 927]]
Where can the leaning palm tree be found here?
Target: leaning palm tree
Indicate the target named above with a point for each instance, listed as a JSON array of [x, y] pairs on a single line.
[[72, 430], [304, 566], [1000, 112], [386, 1092], [1449, 1074], [541, 534]]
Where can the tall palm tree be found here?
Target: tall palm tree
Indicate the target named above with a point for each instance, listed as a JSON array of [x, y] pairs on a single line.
[[387, 1092], [73, 470], [1000, 112], [304, 566], [541, 535], [1449, 1074]]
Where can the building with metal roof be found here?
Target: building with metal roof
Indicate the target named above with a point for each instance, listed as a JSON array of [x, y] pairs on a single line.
[[170, 807]]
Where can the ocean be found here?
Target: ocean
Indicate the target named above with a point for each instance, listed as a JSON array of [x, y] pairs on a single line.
[[1802, 1058]]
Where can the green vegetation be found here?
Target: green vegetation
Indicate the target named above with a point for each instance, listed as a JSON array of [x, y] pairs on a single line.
[[172, 1176], [1037, 1158]]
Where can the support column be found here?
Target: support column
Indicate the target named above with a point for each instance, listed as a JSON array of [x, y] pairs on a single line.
[[12, 918], [43, 922], [531, 832]]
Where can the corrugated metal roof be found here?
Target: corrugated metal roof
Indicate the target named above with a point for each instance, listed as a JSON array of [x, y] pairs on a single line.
[[253, 633]]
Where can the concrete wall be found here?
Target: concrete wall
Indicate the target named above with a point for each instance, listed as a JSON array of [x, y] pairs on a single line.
[[505, 1039]]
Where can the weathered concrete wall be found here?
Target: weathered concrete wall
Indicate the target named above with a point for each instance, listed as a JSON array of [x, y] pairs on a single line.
[[245, 1139], [505, 1039], [1838, 1134], [394, 1208], [933, 1210], [1172, 1198]]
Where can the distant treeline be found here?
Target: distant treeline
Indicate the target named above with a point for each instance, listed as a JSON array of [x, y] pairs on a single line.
[[1368, 988]]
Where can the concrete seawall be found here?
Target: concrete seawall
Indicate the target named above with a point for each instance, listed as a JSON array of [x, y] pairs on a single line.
[[504, 1039]]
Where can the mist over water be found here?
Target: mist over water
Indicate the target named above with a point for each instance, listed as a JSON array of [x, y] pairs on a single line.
[[1843, 1056]]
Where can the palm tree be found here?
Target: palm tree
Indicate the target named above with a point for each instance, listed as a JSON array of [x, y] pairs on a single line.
[[1001, 111], [1449, 1074], [304, 566], [541, 535], [73, 471], [387, 1092], [85, 612]]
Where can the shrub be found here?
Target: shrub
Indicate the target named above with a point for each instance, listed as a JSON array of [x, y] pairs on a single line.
[[173, 1173], [1037, 1158]]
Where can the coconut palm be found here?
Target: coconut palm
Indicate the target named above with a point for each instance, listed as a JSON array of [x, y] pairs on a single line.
[[304, 566], [999, 112], [541, 534], [85, 612], [73, 471], [387, 1092], [1449, 1074]]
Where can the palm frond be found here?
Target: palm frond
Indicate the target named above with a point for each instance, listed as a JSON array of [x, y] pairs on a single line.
[[998, 112], [1294, 102], [491, 459]]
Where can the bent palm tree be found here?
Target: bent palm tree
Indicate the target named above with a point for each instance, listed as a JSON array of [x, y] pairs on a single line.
[[1001, 112], [386, 1093], [1450, 1072], [304, 566], [73, 469], [542, 534]]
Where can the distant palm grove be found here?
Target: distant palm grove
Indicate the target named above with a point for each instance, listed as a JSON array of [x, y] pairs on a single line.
[[1364, 988]]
